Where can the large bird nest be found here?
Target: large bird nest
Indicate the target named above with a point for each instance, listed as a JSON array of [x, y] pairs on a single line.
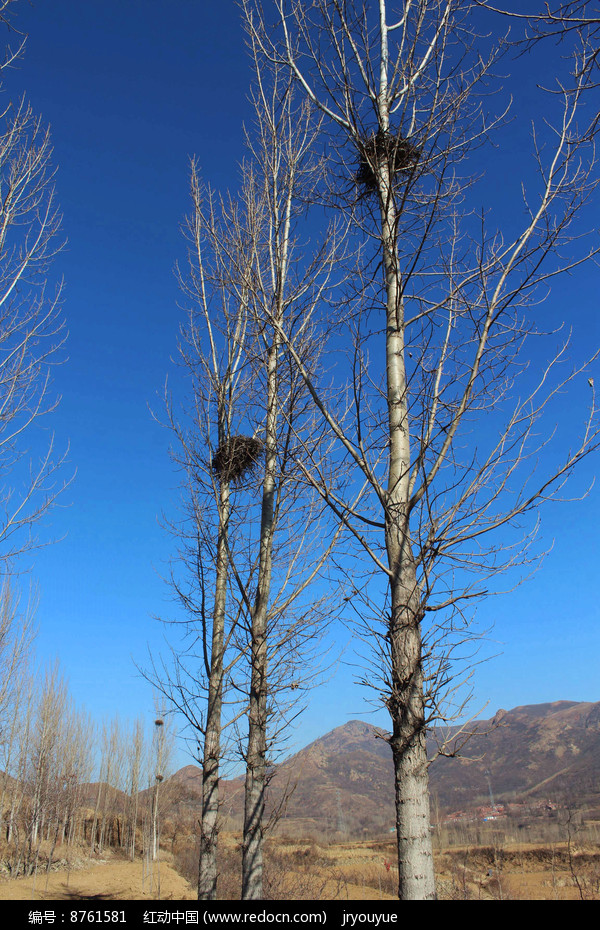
[[400, 155], [236, 457]]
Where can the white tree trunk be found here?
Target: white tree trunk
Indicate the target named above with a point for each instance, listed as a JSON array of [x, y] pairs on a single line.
[[256, 762], [405, 703], [416, 879], [209, 828]]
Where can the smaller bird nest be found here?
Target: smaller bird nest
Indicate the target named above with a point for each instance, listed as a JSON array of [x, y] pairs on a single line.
[[398, 152], [236, 457]]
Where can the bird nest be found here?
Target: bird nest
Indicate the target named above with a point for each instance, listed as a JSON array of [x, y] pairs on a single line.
[[399, 154], [236, 457]]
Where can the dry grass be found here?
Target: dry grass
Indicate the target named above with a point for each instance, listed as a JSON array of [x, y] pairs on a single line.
[[519, 872], [298, 870], [305, 869]]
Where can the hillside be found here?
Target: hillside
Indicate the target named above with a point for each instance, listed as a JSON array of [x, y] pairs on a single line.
[[531, 751], [344, 780]]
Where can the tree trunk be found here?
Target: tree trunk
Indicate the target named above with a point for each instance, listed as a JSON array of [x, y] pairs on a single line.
[[415, 861], [155, 823], [416, 879], [209, 827], [254, 799], [256, 761]]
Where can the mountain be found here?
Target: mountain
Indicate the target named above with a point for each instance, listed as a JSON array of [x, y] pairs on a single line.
[[537, 750], [343, 782]]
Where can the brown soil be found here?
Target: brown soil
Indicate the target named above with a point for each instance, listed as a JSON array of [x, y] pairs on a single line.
[[112, 879]]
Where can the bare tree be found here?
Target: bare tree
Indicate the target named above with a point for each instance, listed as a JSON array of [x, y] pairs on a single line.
[[135, 763], [285, 615], [206, 436], [160, 762], [45, 758], [18, 783], [249, 560], [17, 633], [31, 328], [109, 741], [31, 335], [74, 765], [437, 331]]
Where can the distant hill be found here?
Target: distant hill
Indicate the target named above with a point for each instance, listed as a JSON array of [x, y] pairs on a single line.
[[536, 750], [343, 781]]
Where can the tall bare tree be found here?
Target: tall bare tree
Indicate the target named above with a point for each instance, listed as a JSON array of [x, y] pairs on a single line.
[[112, 762], [437, 332], [31, 335], [74, 765], [135, 764], [294, 543], [17, 633], [205, 429], [45, 757], [249, 560]]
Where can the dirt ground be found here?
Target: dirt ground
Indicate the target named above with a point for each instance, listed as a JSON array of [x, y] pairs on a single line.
[[108, 880], [120, 879]]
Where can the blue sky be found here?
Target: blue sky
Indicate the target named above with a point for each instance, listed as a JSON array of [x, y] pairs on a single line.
[[132, 89]]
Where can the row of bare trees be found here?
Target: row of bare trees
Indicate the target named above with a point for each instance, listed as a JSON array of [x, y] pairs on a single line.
[[375, 409], [66, 782]]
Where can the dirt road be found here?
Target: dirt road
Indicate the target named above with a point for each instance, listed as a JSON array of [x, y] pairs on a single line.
[[102, 881]]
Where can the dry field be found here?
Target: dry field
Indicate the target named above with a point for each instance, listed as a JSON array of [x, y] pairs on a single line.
[[108, 878], [520, 871], [516, 872], [365, 870], [307, 870]]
